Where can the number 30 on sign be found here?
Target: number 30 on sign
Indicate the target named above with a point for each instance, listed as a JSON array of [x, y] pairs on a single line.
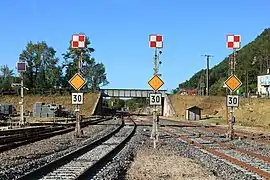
[[155, 99], [232, 101], [77, 98]]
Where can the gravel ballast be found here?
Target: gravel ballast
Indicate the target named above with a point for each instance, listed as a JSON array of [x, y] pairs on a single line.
[[18, 161], [118, 166], [208, 166], [130, 163], [253, 145], [123, 167], [258, 147], [215, 165]]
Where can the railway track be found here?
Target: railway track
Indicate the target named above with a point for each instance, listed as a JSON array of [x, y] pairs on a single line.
[[22, 136], [265, 138], [251, 163], [86, 161], [30, 135], [253, 136], [20, 130]]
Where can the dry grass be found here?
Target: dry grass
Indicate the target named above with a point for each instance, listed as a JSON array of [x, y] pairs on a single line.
[[214, 121], [164, 164], [65, 100], [254, 112], [251, 112]]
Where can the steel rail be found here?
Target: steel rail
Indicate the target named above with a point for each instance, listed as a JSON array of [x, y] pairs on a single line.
[[221, 155], [26, 135], [8, 132], [259, 156], [50, 167], [37, 136], [91, 171], [260, 137]]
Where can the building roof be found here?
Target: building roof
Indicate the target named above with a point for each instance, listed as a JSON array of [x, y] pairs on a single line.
[[193, 107]]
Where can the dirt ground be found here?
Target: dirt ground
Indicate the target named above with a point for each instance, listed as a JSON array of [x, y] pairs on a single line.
[[65, 100], [164, 164], [251, 111]]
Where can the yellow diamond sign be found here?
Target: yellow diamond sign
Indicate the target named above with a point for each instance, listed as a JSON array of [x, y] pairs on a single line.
[[233, 83], [77, 81], [155, 82]]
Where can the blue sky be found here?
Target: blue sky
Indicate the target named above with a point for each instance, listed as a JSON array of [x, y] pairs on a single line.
[[119, 30]]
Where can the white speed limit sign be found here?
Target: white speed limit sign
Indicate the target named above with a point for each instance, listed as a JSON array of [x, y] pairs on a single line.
[[155, 99], [77, 98], [232, 101]]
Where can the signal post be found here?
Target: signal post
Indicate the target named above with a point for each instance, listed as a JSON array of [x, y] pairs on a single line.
[[156, 41], [21, 68], [78, 81], [233, 83]]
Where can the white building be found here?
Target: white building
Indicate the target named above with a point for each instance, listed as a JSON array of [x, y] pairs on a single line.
[[263, 84]]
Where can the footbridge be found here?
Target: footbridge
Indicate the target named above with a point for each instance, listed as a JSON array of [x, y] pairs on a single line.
[[166, 107], [129, 93]]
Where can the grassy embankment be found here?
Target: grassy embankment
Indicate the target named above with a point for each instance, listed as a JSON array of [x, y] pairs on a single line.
[[252, 112]]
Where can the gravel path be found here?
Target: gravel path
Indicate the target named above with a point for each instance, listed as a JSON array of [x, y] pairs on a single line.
[[25, 158]]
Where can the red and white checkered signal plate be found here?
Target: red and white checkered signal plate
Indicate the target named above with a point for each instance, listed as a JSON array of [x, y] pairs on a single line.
[[156, 41], [78, 41], [233, 41]]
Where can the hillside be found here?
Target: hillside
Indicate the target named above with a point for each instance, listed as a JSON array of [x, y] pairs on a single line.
[[246, 65]]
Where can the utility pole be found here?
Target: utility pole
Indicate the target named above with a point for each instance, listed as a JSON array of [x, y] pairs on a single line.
[[207, 72], [201, 83], [247, 82], [261, 66], [199, 87], [267, 63]]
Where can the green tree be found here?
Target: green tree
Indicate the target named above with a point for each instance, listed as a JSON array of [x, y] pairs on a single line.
[[131, 104], [95, 73], [6, 77], [217, 89], [136, 103], [42, 71], [116, 103], [175, 91], [92, 71]]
